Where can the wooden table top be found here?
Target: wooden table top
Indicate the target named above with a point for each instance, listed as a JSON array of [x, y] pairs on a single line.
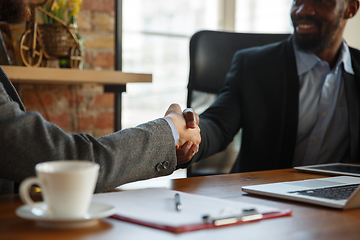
[[307, 221]]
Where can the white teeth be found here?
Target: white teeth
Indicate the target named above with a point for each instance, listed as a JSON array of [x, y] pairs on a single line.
[[306, 25]]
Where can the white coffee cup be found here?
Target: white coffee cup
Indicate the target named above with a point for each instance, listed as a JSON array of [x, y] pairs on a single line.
[[67, 187]]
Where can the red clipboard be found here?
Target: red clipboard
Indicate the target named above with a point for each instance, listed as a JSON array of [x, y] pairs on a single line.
[[195, 227]]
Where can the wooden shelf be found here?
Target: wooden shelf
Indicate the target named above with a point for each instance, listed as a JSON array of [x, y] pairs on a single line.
[[114, 81], [19, 74]]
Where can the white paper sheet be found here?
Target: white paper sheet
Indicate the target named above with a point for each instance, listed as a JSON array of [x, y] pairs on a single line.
[[157, 205]]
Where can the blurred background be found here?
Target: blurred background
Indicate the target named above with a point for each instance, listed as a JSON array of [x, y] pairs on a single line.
[[156, 38]]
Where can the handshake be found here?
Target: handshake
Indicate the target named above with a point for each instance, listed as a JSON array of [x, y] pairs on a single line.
[[187, 125]]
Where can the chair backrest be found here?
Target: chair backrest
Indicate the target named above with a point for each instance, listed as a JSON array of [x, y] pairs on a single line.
[[211, 53]]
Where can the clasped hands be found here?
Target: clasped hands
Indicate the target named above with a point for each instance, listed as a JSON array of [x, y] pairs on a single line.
[[187, 125]]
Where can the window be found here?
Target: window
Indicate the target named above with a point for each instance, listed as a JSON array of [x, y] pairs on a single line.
[[263, 16], [155, 40]]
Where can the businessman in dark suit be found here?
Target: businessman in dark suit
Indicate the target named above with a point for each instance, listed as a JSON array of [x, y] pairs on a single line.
[[296, 101], [26, 138]]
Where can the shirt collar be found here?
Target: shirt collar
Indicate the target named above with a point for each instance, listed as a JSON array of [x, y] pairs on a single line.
[[306, 61]]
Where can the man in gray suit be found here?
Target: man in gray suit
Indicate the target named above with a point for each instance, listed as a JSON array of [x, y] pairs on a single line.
[[26, 138], [296, 101]]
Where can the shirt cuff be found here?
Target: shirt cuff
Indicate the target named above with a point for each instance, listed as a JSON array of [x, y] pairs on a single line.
[[173, 129]]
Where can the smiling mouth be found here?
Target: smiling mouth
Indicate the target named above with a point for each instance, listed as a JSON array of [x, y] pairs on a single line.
[[306, 28]]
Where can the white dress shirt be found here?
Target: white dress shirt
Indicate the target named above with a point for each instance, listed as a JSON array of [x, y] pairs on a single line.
[[323, 128]]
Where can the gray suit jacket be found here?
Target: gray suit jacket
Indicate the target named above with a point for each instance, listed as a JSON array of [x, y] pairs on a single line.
[[26, 139], [261, 96]]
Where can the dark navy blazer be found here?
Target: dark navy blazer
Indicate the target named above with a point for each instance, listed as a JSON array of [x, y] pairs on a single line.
[[261, 97]]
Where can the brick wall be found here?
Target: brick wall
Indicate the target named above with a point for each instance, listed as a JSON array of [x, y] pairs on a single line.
[[96, 23], [80, 108]]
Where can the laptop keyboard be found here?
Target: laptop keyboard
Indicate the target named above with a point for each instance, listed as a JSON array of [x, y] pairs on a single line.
[[335, 193]]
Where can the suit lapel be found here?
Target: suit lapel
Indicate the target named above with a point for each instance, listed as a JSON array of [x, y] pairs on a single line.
[[352, 94], [290, 114], [352, 87], [10, 90]]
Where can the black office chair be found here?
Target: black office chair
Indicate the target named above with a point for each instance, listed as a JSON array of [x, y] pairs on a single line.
[[211, 53]]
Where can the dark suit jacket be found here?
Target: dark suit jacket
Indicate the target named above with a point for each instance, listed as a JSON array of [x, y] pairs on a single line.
[[261, 96]]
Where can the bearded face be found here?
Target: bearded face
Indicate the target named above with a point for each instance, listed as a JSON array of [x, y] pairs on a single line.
[[319, 41], [318, 24], [14, 11]]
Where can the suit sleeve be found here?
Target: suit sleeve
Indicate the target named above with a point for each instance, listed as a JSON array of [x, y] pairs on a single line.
[[26, 138], [222, 120]]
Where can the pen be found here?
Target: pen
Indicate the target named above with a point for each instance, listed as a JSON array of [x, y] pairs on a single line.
[[177, 202]]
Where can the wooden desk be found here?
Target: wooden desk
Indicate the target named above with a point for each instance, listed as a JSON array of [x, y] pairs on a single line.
[[307, 222], [113, 81]]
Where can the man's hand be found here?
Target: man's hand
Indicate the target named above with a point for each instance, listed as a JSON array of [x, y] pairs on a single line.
[[186, 134], [186, 152], [190, 137], [191, 118]]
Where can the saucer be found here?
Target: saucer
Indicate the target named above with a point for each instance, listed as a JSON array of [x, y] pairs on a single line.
[[44, 219]]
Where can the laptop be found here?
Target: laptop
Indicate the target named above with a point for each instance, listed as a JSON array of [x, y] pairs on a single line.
[[337, 192]]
